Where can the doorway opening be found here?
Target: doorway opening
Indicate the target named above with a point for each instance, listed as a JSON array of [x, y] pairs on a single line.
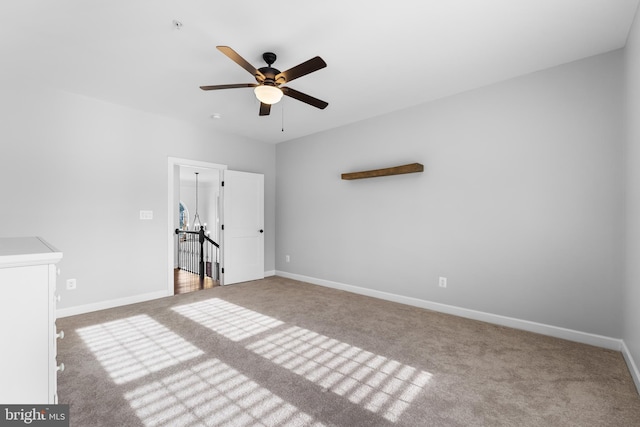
[[194, 225]]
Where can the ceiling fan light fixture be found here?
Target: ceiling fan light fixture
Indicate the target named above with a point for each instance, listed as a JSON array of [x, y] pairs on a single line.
[[268, 94]]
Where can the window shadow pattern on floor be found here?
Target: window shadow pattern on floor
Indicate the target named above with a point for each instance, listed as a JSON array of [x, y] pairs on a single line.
[[169, 381]]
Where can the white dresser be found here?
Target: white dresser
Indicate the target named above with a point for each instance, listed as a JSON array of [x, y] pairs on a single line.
[[27, 321]]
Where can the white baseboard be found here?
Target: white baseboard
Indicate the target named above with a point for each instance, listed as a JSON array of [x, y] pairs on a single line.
[[102, 305], [633, 368], [540, 328]]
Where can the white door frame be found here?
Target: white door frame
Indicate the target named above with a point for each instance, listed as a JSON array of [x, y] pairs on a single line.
[[172, 163]]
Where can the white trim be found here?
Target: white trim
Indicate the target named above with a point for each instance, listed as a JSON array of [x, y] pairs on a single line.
[[102, 305], [194, 163], [269, 273], [633, 368], [540, 328], [171, 163]]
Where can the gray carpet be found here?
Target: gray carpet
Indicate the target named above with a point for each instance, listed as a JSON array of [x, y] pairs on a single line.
[[277, 352]]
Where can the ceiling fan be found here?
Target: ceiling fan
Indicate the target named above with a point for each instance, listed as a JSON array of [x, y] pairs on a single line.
[[268, 88]]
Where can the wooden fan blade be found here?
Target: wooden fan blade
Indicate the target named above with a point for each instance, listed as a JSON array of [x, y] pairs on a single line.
[[314, 64], [231, 86], [233, 55], [304, 98], [265, 109]]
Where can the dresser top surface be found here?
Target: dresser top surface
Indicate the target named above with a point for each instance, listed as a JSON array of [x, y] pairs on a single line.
[[27, 250]]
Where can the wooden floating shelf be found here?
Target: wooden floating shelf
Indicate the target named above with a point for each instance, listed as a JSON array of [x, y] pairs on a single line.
[[396, 170]]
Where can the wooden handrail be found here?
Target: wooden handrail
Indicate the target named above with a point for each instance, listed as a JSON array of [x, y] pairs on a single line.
[[178, 231]]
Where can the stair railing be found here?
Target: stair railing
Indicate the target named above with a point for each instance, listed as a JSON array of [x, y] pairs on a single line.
[[198, 254]]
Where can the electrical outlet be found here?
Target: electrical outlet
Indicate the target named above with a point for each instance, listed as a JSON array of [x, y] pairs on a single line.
[[442, 282], [71, 284], [287, 258]]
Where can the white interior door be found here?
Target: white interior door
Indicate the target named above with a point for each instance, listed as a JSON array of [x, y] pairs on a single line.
[[243, 232]]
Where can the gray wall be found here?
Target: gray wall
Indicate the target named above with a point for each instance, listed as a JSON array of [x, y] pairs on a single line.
[[76, 171], [520, 206], [632, 283]]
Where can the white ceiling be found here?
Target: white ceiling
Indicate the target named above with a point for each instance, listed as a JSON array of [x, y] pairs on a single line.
[[382, 56]]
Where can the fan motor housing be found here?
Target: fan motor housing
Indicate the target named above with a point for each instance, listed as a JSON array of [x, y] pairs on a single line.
[[270, 74]]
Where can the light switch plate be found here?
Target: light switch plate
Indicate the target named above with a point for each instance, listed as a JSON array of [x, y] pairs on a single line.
[[146, 214]]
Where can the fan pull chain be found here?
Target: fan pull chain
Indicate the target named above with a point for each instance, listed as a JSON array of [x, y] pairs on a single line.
[[282, 117]]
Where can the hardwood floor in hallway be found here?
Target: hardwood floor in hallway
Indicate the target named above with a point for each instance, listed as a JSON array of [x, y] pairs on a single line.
[[184, 282]]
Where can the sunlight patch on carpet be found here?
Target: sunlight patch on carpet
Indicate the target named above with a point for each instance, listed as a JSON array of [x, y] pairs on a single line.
[[232, 321], [131, 348], [380, 385], [212, 394]]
